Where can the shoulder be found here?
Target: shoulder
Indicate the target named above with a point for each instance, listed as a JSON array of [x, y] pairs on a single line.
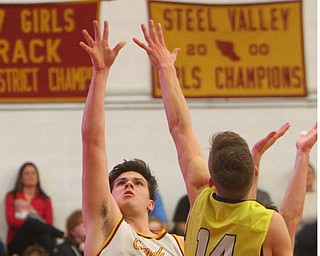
[[9, 195], [205, 194], [277, 238], [276, 219]]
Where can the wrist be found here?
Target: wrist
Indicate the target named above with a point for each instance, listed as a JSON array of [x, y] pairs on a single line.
[[101, 70]]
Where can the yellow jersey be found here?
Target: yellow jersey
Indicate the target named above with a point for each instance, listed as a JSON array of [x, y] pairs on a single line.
[[219, 227]]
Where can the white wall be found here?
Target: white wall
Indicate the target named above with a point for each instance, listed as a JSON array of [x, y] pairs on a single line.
[[49, 134]]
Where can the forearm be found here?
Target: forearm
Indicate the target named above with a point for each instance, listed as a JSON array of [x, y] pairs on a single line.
[[291, 207], [93, 122], [192, 164], [175, 105]]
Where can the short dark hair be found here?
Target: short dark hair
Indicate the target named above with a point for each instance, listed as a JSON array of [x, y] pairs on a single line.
[[135, 165], [231, 165]]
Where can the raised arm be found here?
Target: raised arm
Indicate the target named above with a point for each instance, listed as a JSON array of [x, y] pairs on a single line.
[[192, 164], [100, 211], [291, 207], [258, 150]]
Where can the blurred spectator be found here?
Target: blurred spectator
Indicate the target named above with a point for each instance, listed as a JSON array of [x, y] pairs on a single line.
[[35, 250], [310, 202], [2, 249], [155, 224], [159, 211], [306, 236], [180, 216], [263, 197], [73, 244], [306, 241], [29, 213]]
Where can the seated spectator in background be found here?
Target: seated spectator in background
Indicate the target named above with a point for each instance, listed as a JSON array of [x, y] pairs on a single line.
[[35, 250], [155, 224], [73, 244], [263, 197], [306, 241], [306, 237], [180, 216], [2, 249], [159, 212], [310, 203], [29, 218]]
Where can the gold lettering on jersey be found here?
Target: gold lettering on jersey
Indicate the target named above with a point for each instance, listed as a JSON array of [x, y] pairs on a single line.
[[147, 251]]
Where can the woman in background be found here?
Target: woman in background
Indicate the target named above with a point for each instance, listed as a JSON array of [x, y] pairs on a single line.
[[33, 228]]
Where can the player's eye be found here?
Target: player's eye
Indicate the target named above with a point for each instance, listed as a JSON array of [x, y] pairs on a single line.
[[120, 183]]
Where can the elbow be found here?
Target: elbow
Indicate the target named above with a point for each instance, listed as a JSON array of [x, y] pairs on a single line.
[[176, 129], [292, 218], [91, 133], [173, 127], [173, 130]]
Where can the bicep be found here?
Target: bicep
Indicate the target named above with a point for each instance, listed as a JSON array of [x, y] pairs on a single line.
[[100, 211]]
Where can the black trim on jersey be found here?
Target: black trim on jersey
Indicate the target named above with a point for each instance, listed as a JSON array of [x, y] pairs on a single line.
[[227, 200]]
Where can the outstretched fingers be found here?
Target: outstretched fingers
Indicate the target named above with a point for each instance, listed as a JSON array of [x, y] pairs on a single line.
[[265, 143], [105, 35], [306, 140], [118, 47], [88, 38], [97, 34], [139, 43], [282, 130], [146, 35], [153, 32], [160, 34], [90, 41]]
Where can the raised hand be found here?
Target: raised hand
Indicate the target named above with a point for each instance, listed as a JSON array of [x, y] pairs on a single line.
[[102, 56], [156, 49], [265, 143], [307, 139], [258, 150]]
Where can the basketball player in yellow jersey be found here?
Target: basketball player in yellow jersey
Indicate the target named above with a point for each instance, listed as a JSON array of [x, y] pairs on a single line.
[[115, 207], [222, 220]]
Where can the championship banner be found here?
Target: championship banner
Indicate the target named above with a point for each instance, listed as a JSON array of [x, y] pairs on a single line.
[[234, 50], [40, 56]]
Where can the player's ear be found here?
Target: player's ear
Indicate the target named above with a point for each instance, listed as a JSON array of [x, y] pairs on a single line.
[[256, 171], [210, 183], [150, 205]]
